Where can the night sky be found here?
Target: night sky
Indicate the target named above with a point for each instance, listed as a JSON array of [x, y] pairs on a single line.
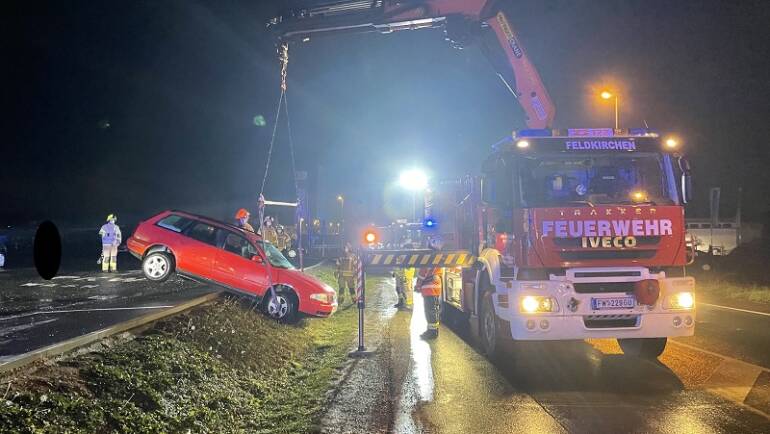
[[138, 106]]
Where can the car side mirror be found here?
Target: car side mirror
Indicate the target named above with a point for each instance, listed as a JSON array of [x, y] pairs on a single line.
[[686, 181], [258, 259]]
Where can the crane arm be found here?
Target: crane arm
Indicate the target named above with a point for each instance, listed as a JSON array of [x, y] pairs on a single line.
[[464, 22]]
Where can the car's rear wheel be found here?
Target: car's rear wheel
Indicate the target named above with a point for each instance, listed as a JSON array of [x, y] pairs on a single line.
[[157, 266], [282, 307], [645, 348]]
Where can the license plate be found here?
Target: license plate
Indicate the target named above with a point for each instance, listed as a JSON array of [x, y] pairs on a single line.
[[613, 303]]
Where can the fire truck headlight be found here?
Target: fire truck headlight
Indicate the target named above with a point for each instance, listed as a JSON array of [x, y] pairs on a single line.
[[681, 300], [537, 304]]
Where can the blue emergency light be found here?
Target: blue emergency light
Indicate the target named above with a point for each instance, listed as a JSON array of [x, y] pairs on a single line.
[[429, 223]]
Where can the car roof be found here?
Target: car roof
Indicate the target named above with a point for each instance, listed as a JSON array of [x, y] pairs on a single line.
[[250, 235]]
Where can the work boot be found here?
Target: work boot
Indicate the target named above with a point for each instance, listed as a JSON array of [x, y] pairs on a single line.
[[399, 305], [430, 334]]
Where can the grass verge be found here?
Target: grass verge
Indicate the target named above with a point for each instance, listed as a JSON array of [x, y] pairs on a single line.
[[219, 368], [730, 291]]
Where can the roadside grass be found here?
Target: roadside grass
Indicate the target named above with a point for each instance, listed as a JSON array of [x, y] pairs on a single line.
[[724, 290], [220, 368]]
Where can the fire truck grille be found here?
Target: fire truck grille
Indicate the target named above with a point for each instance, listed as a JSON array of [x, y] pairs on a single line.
[[610, 321], [606, 254], [600, 287]]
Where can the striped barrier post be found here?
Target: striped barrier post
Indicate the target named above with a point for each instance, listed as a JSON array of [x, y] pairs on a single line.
[[361, 302], [399, 259]]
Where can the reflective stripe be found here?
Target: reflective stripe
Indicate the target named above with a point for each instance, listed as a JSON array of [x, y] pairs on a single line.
[[413, 259]]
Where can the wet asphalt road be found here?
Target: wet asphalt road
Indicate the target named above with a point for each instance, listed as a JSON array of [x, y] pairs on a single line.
[[447, 386], [742, 335], [35, 313]]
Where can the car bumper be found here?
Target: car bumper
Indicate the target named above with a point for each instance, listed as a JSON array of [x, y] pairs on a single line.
[[318, 309]]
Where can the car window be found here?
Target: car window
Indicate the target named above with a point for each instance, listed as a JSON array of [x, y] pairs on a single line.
[[240, 246], [204, 233], [174, 222]]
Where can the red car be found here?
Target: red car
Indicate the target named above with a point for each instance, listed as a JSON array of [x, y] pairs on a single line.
[[240, 261]]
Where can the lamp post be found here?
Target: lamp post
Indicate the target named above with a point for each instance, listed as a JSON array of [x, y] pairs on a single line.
[[414, 180], [340, 228], [608, 95]]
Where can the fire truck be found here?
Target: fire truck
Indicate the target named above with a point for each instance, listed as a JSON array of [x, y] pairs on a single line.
[[578, 234]]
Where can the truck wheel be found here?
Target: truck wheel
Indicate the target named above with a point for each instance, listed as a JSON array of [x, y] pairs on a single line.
[[490, 330], [645, 348], [157, 266], [283, 307]]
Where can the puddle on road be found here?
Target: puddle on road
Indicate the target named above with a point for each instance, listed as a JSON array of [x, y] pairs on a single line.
[[421, 353], [418, 385]]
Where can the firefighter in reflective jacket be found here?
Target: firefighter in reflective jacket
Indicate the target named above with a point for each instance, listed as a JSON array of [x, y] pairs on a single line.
[[429, 283], [347, 267], [111, 239]]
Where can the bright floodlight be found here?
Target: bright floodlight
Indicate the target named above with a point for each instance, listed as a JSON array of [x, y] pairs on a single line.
[[672, 142], [606, 95], [413, 179]]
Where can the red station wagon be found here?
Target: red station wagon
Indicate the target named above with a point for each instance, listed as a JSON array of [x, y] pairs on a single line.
[[240, 261]]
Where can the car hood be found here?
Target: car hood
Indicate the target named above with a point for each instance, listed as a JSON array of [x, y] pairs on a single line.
[[301, 281]]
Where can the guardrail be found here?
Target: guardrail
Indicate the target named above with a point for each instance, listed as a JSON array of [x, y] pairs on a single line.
[[57, 349]]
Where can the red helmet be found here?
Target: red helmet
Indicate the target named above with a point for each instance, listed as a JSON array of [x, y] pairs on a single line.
[[242, 213]]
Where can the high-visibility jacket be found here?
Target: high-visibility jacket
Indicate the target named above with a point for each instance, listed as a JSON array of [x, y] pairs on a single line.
[[429, 282], [110, 233], [347, 265]]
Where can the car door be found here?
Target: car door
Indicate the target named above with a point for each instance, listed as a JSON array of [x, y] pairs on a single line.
[[234, 266], [198, 250]]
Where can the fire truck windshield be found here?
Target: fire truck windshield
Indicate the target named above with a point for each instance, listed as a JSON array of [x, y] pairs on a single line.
[[587, 180]]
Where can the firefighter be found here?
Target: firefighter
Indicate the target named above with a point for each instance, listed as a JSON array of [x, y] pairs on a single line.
[[347, 267], [242, 220], [429, 284], [111, 239], [269, 233], [404, 284], [404, 287]]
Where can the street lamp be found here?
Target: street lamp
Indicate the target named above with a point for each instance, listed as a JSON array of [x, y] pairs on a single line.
[[607, 95], [413, 180], [341, 200]]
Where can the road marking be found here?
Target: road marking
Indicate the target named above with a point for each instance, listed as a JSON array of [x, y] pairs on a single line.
[[735, 308], [103, 309], [721, 356]]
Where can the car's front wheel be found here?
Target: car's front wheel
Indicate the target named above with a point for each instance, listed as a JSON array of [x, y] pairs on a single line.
[[157, 266], [282, 306]]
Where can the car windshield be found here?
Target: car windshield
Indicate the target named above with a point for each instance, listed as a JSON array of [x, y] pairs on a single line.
[[572, 180], [274, 255]]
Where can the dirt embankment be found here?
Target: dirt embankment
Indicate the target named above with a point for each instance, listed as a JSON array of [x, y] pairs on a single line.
[[219, 368]]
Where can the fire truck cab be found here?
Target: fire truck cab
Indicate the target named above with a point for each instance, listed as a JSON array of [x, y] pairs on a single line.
[[579, 234]]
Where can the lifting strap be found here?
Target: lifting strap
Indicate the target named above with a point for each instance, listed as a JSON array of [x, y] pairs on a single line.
[[283, 103]]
